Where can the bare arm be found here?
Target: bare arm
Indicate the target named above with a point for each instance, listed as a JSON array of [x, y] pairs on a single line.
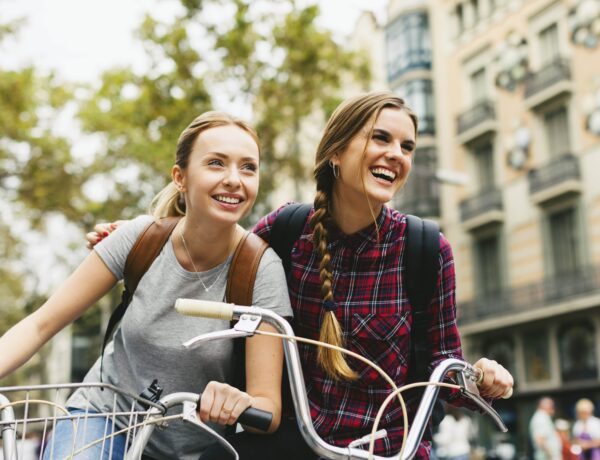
[[88, 283], [222, 403]]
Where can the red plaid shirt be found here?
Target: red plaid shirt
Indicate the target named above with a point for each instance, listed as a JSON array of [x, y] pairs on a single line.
[[376, 317]]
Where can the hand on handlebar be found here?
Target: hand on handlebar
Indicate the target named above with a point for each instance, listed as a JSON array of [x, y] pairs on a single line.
[[223, 404], [496, 381], [100, 232]]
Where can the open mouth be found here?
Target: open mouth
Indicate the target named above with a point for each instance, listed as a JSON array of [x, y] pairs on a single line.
[[227, 199], [385, 174]]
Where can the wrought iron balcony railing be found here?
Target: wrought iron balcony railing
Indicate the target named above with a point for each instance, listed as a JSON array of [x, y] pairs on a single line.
[[555, 72], [535, 296], [479, 113], [561, 170], [483, 202]]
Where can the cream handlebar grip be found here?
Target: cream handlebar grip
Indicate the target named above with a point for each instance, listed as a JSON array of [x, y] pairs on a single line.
[[205, 308]]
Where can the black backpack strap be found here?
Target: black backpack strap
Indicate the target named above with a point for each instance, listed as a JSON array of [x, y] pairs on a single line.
[[422, 243], [142, 254], [422, 247], [286, 230]]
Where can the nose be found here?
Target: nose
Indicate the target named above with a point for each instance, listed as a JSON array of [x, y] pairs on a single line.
[[394, 151], [232, 177]]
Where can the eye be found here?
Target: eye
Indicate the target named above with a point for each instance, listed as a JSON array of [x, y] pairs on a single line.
[[379, 136], [251, 167], [215, 162], [408, 147]]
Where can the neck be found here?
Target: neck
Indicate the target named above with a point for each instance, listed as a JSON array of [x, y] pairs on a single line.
[[208, 245], [351, 218]]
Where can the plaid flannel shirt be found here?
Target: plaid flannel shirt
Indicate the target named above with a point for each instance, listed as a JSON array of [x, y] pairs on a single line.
[[376, 317]]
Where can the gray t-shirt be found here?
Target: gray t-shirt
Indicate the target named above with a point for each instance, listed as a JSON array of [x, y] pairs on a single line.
[[147, 344]]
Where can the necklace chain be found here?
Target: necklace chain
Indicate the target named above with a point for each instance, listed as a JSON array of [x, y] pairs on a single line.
[[206, 288]]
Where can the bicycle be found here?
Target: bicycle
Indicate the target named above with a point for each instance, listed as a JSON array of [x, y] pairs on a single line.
[[37, 412], [249, 318], [154, 408]]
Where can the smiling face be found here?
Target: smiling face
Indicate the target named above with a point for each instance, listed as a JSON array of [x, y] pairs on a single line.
[[220, 180], [375, 172]]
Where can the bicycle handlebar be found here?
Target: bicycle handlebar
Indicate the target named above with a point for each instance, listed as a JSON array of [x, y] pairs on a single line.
[[250, 318]]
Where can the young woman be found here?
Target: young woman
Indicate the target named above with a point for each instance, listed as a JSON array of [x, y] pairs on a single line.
[[346, 285], [215, 183]]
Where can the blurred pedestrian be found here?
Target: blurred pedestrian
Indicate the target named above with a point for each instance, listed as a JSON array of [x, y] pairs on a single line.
[[452, 441], [564, 432], [544, 437], [586, 430]]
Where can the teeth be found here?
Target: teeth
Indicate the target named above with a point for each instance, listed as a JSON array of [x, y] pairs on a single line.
[[227, 199], [386, 173]]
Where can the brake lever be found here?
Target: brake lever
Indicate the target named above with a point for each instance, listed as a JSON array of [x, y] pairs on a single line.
[[245, 327], [468, 387]]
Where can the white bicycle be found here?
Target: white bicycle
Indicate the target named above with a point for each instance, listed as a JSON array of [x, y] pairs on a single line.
[[145, 413]]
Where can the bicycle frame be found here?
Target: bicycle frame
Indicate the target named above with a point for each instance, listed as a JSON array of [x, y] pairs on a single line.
[[249, 319]]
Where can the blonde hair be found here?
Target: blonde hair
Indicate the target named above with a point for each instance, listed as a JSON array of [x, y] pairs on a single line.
[[584, 405], [345, 123], [170, 201]]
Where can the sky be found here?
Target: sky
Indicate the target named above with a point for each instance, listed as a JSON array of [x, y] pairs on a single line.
[[80, 38]]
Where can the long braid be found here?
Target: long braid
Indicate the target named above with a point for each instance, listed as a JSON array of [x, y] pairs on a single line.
[[343, 126], [332, 361]]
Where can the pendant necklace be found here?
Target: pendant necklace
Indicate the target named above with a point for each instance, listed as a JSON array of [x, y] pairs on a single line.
[[206, 288]]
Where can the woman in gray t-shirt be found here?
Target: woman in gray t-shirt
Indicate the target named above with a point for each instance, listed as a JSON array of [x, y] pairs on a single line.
[[215, 183]]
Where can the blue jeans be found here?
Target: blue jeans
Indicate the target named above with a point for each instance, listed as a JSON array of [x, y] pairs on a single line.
[[60, 444]]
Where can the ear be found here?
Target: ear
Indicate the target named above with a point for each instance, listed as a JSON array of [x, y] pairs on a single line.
[[178, 178], [335, 159]]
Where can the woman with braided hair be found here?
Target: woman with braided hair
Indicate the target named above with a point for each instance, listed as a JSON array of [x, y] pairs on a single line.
[[346, 286]]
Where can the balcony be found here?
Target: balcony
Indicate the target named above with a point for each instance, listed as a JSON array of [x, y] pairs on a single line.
[[421, 194], [476, 122], [482, 209], [558, 178], [549, 82], [555, 295]]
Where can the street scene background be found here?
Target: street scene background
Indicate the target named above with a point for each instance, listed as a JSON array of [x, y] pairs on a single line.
[[94, 95]]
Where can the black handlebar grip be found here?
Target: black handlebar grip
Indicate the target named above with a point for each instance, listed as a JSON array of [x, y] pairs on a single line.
[[256, 418]]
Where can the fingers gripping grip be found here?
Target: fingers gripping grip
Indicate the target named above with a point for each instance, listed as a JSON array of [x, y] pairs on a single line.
[[256, 418], [479, 379], [205, 309]]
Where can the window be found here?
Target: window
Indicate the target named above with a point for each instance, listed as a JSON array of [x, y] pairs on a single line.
[[418, 95], [420, 194], [460, 19], [549, 48], [577, 345], [408, 44], [475, 9], [484, 161], [488, 266], [478, 86], [556, 124], [564, 242], [537, 358]]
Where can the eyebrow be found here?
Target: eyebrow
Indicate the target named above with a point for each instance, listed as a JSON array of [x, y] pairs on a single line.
[[224, 155], [387, 133]]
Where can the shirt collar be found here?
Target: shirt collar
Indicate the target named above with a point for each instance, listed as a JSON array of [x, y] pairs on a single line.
[[365, 237]]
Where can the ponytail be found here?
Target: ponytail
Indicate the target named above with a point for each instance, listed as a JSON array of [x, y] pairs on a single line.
[[333, 361], [168, 202]]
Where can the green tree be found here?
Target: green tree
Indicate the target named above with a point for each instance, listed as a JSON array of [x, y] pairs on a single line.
[[301, 74], [271, 57]]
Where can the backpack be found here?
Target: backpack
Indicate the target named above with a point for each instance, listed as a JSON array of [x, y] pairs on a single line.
[[240, 277], [421, 266]]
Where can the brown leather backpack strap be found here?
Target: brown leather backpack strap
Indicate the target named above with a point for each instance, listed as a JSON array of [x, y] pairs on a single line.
[[242, 272], [146, 249]]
